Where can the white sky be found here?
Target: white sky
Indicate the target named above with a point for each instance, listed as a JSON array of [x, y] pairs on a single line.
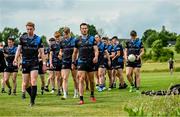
[[115, 17]]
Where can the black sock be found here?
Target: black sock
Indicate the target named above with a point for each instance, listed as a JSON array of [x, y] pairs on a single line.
[[81, 98], [29, 90], [33, 93], [92, 93]]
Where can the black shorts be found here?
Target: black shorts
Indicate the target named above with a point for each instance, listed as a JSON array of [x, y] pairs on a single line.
[[11, 69], [136, 64], [88, 67], [2, 68], [40, 70], [66, 65], [171, 67], [26, 68], [107, 66], [57, 67], [117, 65]]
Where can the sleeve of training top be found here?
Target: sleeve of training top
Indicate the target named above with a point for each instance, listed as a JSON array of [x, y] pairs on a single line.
[[119, 47], [51, 47], [112, 49], [20, 41], [141, 45], [76, 43], [40, 44]]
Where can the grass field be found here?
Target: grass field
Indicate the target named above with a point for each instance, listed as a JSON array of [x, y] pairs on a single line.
[[109, 103]]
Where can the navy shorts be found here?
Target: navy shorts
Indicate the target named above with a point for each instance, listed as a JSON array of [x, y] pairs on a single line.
[[88, 67], [136, 64], [117, 65], [26, 69], [40, 70], [11, 69], [57, 67]]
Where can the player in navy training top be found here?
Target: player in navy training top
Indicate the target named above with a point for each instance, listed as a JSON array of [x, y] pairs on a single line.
[[9, 53], [30, 45], [134, 46], [66, 50], [87, 51]]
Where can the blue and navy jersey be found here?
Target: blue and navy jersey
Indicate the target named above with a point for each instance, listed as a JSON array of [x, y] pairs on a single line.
[[85, 48], [110, 49], [67, 46], [134, 46], [101, 48], [55, 52], [10, 52], [118, 47], [30, 47]]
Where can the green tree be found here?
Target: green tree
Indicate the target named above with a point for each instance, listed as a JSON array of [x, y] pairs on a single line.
[[92, 30], [157, 48], [151, 38], [44, 40], [9, 32], [177, 46], [145, 36]]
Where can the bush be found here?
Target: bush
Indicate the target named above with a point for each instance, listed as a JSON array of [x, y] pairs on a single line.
[[166, 54], [177, 46]]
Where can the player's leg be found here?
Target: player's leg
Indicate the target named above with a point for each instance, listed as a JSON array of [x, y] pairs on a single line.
[[92, 84], [81, 76], [114, 77], [34, 76], [52, 80], [7, 76], [14, 79], [26, 85], [65, 75], [58, 79], [101, 74], [122, 83], [87, 83], [74, 76], [42, 76], [110, 79], [97, 79], [129, 72], [137, 75], [3, 82]]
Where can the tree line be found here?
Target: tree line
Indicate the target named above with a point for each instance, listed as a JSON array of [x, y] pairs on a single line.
[[155, 42]]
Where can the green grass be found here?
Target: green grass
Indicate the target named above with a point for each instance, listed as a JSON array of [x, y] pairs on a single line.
[[109, 103]]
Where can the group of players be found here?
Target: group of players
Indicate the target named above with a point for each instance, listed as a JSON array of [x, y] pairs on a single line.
[[85, 57]]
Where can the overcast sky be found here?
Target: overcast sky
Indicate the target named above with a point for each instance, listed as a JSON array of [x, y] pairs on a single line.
[[115, 17]]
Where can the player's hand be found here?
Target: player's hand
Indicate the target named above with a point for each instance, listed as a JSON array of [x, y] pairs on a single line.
[[95, 60], [137, 57], [15, 63], [73, 67], [51, 66]]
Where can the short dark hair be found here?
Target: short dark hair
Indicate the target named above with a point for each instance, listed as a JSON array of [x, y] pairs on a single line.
[[83, 24], [133, 33], [66, 30], [52, 39], [31, 24], [115, 37], [104, 38], [11, 39]]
